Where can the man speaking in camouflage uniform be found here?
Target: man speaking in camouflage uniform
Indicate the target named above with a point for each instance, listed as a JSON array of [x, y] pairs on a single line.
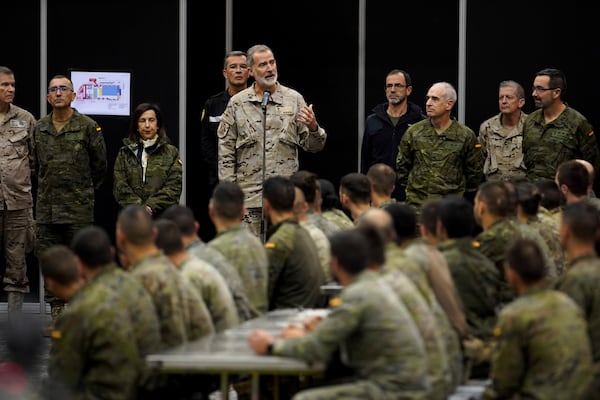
[[373, 330], [439, 156], [260, 133]]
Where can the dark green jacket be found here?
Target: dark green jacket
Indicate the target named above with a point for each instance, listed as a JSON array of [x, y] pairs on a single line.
[[164, 176]]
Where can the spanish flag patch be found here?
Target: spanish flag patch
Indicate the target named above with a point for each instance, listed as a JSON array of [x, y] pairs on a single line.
[[270, 245], [477, 145], [56, 334]]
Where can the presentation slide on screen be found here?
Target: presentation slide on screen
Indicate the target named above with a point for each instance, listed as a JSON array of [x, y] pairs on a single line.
[[101, 93]]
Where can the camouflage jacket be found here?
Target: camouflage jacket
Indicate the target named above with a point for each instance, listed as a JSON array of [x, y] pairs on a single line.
[[181, 312], [241, 144], [502, 149], [541, 347], [370, 313], [215, 258], [435, 165], [16, 159], [164, 176], [94, 354], [248, 256], [547, 145], [581, 282], [70, 165], [211, 286], [438, 366], [339, 218], [323, 247]]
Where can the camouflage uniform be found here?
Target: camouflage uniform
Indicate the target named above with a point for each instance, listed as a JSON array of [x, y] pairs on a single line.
[[163, 181], [435, 165], [542, 349], [547, 145], [477, 281], [438, 367], [397, 259], [497, 238], [339, 218], [240, 140], [71, 165], [232, 277], [323, 247], [211, 286], [551, 238], [94, 352], [328, 227], [182, 314], [16, 201], [377, 339], [246, 253], [295, 273], [387, 202], [581, 282], [502, 149], [138, 302]]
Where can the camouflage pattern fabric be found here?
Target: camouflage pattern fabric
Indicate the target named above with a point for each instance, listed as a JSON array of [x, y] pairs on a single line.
[[542, 348], [339, 218], [246, 253], [547, 145], [369, 313]]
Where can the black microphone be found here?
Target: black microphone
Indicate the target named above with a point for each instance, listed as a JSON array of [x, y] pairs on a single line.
[[265, 100]]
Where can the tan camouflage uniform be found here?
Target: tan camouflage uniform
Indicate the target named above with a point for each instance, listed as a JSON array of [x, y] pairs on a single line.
[[502, 149], [241, 146]]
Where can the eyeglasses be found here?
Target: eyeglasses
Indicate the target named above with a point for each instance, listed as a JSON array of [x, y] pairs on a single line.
[[542, 89], [62, 88], [394, 85]]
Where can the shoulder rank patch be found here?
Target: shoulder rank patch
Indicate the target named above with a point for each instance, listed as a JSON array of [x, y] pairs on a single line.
[[476, 244], [591, 133], [270, 245], [180, 161], [497, 331], [335, 302], [56, 334], [477, 145]]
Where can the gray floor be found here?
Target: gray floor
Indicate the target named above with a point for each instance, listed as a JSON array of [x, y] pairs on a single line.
[[22, 342]]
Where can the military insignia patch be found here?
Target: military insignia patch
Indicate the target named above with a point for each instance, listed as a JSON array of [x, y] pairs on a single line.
[[477, 145], [591, 133], [180, 161], [56, 334], [270, 245], [335, 302], [476, 244], [98, 129]]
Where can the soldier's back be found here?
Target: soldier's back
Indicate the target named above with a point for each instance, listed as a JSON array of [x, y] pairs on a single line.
[[542, 348]]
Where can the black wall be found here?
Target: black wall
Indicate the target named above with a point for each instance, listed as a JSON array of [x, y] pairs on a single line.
[[316, 45]]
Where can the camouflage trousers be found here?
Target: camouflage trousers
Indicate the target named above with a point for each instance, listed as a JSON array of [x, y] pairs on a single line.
[[49, 235], [253, 218], [16, 230]]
